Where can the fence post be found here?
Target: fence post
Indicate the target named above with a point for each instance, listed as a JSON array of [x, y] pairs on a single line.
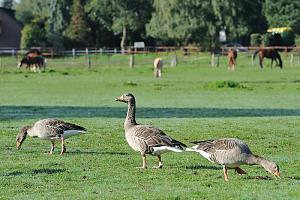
[[101, 51], [73, 53], [292, 59], [115, 51], [131, 60], [174, 61], [13, 52], [88, 60], [213, 59]]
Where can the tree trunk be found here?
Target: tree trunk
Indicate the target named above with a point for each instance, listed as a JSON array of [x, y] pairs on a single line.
[[124, 38]]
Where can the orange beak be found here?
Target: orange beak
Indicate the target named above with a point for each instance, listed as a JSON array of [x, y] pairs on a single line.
[[120, 98], [277, 174]]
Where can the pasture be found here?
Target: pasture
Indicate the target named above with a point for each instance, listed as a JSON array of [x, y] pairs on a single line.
[[192, 101]]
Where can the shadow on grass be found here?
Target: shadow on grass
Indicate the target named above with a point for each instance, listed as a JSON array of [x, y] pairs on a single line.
[[203, 167], [34, 112], [15, 173], [97, 152], [47, 171]]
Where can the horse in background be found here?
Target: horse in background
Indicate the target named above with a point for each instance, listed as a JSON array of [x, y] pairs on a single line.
[[37, 62], [268, 53], [231, 55], [158, 65]]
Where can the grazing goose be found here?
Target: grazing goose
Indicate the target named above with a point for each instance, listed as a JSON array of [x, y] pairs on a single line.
[[144, 138], [50, 129], [231, 153]]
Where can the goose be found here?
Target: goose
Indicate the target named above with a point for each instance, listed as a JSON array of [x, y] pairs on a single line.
[[146, 139], [50, 129], [231, 153]]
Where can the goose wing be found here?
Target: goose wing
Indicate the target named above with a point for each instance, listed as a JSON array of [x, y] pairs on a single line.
[[57, 127], [154, 137], [224, 151]]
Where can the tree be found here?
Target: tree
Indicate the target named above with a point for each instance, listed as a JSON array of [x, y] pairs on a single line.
[[78, 30], [57, 22], [199, 21], [7, 4], [32, 35], [120, 16], [283, 13]]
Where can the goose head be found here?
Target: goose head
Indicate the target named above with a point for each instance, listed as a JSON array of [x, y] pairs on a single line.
[[22, 136], [271, 167], [126, 98]]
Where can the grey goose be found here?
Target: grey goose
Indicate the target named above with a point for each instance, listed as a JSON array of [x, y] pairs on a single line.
[[50, 129], [145, 138], [231, 153]]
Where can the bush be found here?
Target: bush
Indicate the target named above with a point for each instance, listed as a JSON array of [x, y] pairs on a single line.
[[297, 40], [288, 38], [266, 39], [255, 39], [33, 35]]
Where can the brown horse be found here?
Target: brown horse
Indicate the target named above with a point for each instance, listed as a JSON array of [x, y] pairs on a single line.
[[231, 55], [37, 62], [268, 53]]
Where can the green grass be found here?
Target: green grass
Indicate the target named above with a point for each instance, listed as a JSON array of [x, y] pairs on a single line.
[[190, 102]]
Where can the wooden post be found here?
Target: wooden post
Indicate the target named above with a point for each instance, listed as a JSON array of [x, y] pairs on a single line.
[[213, 59], [174, 61], [131, 60], [292, 59], [89, 63], [73, 53]]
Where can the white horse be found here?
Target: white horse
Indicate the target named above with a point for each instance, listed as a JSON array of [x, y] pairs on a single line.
[[158, 65]]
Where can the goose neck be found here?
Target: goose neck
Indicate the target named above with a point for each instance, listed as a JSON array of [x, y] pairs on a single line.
[[130, 118]]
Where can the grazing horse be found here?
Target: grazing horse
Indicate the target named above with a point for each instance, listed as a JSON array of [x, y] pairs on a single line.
[[268, 53], [38, 61], [158, 65], [232, 55]]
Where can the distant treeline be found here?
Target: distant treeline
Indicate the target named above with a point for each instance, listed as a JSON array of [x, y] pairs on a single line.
[[98, 23]]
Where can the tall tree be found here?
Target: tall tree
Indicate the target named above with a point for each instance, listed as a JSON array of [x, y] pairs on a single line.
[[7, 4], [199, 21], [78, 30], [120, 16], [282, 13]]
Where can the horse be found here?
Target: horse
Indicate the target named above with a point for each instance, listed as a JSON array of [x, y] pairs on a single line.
[[33, 53], [158, 65], [231, 55], [38, 61], [268, 53]]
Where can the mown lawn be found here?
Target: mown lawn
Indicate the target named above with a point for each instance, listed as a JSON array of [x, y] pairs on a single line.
[[192, 101]]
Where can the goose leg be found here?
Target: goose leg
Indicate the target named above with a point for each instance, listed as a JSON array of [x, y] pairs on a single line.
[[63, 147], [240, 171], [52, 147], [144, 162], [160, 165], [225, 173]]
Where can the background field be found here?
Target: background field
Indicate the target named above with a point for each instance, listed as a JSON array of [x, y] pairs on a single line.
[[192, 101]]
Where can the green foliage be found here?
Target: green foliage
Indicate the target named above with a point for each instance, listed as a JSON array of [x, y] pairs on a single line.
[[288, 38], [255, 39], [7, 4], [283, 13], [78, 30], [297, 40], [32, 35], [199, 22], [120, 16]]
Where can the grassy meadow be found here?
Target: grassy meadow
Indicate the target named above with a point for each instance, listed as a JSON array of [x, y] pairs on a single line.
[[192, 101]]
